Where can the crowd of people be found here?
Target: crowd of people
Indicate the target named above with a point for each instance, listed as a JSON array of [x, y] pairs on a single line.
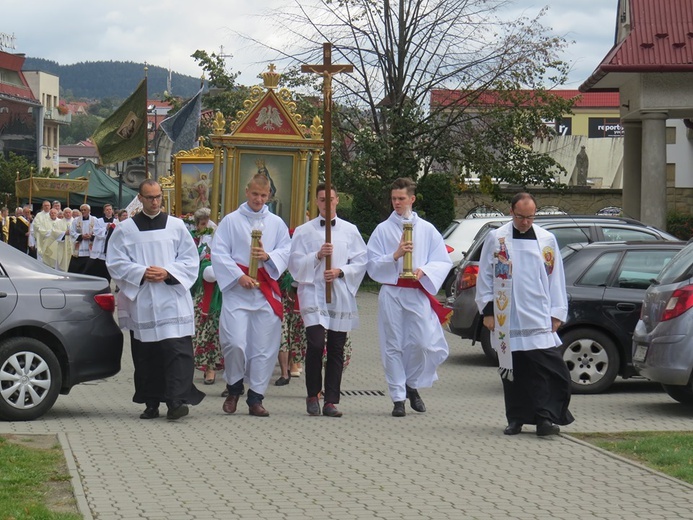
[[238, 297], [70, 240]]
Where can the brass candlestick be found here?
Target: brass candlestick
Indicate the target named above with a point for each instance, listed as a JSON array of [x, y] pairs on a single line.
[[407, 270], [255, 237]]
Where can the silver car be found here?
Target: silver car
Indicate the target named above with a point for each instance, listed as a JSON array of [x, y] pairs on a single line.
[[56, 330], [663, 337]]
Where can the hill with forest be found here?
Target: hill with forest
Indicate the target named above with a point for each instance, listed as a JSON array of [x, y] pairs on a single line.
[[113, 79]]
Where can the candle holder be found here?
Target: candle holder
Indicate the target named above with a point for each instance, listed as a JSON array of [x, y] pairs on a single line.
[[407, 270], [255, 236]]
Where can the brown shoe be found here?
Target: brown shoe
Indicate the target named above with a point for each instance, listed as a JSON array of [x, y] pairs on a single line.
[[257, 410], [230, 403]]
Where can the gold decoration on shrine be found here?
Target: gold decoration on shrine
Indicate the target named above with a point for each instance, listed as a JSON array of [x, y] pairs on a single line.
[[219, 124], [200, 151], [284, 96], [271, 77], [167, 182]]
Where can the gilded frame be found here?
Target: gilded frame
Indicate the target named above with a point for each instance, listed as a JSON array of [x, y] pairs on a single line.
[[194, 179]]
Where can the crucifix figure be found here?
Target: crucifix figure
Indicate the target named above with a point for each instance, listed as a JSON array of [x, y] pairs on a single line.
[[327, 69]]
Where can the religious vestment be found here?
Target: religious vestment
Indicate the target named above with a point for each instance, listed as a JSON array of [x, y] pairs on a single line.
[[158, 314], [412, 343], [41, 225], [250, 323], [522, 284], [341, 315], [52, 241], [82, 247], [66, 246], [19, 233], [96, 265]]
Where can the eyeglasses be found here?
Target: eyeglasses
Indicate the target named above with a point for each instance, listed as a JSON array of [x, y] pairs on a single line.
[[523, 217], [152, 198]]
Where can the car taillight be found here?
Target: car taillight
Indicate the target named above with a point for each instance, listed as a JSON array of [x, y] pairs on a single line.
[[680, 301], [449, 249], [467, 278], [105, 301]]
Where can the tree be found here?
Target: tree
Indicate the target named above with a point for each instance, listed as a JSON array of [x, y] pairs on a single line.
[[10, 167], [405, 50], [82, 127]]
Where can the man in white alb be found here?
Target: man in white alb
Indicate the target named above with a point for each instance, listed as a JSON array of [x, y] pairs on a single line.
[[41, 226], [327, 324], [412, 344], [251, 314], [82, 232]]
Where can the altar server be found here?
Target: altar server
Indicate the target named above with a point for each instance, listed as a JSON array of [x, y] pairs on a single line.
[[153, 260], [82, 233], [412, 344], [251, 315], [307, 266]]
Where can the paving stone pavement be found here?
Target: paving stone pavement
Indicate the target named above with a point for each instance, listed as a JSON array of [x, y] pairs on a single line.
[[451, 462]]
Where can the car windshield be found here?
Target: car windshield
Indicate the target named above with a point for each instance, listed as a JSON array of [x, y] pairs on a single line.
[[680, 268]]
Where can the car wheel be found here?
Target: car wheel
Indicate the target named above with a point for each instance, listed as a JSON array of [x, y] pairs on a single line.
[[30, 379], [680, 393], [592, 358], [485, 339]]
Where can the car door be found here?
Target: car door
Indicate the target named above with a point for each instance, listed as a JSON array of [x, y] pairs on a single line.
[[626, 289], [8, 295]]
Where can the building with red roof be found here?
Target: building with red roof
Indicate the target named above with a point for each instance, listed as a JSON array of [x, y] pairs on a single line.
[[650, 66]]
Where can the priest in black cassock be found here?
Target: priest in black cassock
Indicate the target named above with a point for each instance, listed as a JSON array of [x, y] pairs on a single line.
[[153, 260]]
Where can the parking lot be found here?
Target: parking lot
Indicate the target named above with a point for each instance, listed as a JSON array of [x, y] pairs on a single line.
[[451, 462]]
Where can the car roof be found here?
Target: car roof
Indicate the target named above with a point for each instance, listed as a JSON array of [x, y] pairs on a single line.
[[629, 244]]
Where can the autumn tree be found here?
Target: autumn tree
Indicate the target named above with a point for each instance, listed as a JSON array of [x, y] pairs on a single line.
[[403, 52]]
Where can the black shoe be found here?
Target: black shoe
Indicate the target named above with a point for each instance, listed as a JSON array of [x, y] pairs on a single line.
[[398, 410], [174, 414], [282, 381], [150, 412], [546, 427], [513, 428], [415, 400]]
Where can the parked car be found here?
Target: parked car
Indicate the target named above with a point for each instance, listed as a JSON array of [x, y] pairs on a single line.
[[466, 321], [458, 236], [56, 330], [663, 337]]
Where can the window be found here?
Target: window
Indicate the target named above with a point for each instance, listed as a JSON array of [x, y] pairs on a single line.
[[572, 235], [671, 135], [680, 269], [624, 234], [639, 268], [598, 273]]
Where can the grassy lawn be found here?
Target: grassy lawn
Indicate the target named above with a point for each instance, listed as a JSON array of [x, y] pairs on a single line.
[[34, 481], [668, 452]]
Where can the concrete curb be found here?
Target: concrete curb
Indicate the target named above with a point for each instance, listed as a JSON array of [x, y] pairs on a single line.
[[75, 478]]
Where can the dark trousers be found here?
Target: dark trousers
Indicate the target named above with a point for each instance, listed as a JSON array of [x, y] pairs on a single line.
[[540, 388], [334, 367], [78, 264], [164, 372], [97, 267]]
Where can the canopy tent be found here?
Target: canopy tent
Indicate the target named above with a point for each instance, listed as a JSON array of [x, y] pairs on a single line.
[[103, 189]]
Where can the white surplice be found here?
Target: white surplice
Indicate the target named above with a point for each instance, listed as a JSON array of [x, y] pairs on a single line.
[[412, 343], [154, 311], [81, 226], [249, 330], [348, 254], [101, 228], [538, 286]]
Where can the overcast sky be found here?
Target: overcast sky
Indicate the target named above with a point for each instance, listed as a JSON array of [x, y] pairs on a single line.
[[167, 32]]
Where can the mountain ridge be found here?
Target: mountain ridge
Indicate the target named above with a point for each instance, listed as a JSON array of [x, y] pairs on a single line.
[[96, 80]]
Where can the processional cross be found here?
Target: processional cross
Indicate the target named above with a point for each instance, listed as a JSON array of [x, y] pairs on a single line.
[[327, 69]]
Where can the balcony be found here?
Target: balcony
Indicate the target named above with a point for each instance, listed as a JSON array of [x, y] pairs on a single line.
[[52, 114]]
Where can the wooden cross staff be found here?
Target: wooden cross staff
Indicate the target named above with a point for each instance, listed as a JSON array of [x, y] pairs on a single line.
[[327, 69]]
